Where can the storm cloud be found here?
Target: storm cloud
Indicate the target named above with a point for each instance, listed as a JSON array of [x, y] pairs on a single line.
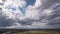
[[40, 14]]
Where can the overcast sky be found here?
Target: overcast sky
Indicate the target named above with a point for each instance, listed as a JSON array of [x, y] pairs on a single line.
[[36, 14]]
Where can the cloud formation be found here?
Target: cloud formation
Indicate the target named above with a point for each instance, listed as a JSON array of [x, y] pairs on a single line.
[[42, 14]]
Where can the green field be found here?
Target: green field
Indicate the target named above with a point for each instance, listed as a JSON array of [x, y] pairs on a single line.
[[31, 32]]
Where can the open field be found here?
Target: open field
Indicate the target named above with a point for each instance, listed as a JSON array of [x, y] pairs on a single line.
[[30, 31]]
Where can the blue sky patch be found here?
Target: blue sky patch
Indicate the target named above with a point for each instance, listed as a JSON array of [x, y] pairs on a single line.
[[30, 2], [11, 8], [22, 9]]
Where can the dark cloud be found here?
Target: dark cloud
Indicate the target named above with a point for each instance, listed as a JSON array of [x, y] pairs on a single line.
[[26, 21], [4, 21], [47, 3], [53, 20], [50, 20]]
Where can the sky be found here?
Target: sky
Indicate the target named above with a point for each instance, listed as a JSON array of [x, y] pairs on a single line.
[[30, 2], [30, 14]]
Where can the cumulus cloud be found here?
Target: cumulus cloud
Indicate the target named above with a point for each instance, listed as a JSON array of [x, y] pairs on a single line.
[[42, 14]]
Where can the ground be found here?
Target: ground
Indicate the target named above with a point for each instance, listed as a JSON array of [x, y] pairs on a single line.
[[30, 31]]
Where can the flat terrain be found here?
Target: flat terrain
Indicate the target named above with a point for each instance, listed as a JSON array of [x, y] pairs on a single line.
[[29, 31]]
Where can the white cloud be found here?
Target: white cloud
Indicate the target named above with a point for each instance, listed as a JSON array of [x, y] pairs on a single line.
[[37, 3], [32, 12], [9, 14], [15, 3], [36, 16]]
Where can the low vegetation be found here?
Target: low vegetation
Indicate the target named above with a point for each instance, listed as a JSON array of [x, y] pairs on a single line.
[[31, 32]]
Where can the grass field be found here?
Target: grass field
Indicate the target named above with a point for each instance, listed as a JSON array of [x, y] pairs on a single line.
[[30, 32]]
